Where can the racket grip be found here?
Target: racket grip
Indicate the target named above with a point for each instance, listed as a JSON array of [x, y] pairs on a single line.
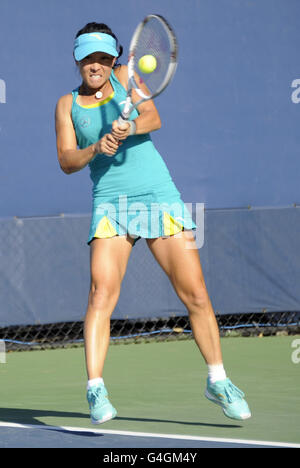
[[122, 121], [132, 124]]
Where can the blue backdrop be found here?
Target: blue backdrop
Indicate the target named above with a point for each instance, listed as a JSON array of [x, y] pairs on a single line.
[[249, 258], [230, 132], [230, 138]]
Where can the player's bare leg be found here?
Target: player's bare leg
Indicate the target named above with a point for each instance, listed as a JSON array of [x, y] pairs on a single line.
[[183, 267], [109, 258], [178, 256]]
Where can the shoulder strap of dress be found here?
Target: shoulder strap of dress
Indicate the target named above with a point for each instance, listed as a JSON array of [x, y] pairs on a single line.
[[113, 80], [75, 93]]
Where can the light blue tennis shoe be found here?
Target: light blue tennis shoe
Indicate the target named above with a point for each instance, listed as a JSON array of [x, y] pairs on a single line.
[[229, 397], [100, 407]]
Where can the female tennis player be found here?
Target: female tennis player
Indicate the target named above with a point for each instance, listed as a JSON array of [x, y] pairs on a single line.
[[127, 170]]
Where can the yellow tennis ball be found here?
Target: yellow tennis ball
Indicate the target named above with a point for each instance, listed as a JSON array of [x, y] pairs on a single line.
[[147, 63]]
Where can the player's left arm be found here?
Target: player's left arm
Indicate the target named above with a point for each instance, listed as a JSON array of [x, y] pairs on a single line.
[[148, 119]]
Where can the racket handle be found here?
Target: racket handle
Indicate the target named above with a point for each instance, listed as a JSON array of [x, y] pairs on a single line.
[[121, 120], [132, 124]]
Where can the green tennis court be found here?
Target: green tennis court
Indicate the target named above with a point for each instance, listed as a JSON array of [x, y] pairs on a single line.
[[158, 388]]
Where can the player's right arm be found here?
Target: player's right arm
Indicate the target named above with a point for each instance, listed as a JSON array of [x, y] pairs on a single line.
[[72, 159], [148, 119]]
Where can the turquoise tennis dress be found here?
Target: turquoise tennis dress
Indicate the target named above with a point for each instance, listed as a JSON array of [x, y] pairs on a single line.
[[133, 192]]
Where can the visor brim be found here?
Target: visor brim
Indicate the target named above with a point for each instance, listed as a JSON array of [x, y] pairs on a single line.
[[84, 50]]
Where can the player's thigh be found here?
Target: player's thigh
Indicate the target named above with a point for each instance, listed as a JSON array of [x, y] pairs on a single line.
[[108, 262], [179, 258]]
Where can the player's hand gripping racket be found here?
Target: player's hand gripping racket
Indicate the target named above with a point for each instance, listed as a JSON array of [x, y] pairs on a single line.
[[152, 62]]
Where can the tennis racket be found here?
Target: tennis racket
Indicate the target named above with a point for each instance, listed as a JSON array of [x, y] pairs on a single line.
[[154, 37]]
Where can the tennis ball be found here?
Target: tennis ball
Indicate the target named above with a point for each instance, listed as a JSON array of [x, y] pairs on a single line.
[[147, 63]]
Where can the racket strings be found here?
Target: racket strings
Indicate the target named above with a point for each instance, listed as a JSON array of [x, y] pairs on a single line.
[[154, 40]]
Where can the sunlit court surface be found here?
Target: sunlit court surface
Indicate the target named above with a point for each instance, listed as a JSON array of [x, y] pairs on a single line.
[[158, 391], [133, 138]]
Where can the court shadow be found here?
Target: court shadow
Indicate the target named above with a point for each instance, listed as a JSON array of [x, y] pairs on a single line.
[[185, 423], [32, 416]]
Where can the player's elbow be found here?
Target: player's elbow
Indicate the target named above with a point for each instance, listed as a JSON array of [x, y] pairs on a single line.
[[65, 166], [67, 170], [67, 162]]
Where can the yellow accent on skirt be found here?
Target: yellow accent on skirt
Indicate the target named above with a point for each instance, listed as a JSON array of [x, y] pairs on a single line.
[[171, 226], [105, 229]]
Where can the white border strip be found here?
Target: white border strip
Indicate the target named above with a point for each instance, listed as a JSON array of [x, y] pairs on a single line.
[[149, 434]]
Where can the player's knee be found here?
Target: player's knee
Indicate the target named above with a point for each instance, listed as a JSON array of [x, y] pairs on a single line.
[[195, 299], [103, 296]]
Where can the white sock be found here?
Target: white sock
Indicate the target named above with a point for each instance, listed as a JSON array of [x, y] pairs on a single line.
[[93, 382], [216, 372]]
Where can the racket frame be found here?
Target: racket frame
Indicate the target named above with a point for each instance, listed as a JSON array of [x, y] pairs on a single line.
[[132, 84]]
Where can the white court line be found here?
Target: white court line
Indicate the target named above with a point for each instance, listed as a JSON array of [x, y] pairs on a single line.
[[150, 434]]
